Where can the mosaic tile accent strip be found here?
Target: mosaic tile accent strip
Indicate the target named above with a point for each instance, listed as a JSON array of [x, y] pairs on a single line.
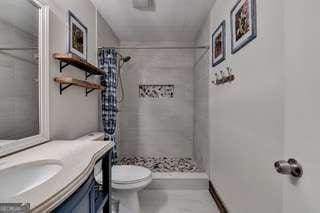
[[163, 164], [156, 91]]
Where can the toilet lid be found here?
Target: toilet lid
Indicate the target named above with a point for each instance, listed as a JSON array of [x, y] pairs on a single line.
[[129, 174]]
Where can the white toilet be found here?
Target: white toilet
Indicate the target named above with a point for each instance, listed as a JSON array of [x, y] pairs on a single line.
[[126, 180]]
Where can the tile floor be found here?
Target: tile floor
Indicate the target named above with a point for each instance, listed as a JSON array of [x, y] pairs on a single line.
[[177, 201]]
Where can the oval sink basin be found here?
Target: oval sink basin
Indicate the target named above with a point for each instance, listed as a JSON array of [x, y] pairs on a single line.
[[24, 177]]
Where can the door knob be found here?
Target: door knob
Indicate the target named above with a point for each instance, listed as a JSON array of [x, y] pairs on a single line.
[[290, 167]]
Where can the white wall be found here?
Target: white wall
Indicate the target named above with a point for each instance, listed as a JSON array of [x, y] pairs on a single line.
[[201, 99], [246, 117], [157, 127], [72, 113], [106, 36]]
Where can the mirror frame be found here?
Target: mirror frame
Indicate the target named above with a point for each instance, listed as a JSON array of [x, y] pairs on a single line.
[[11, 146]]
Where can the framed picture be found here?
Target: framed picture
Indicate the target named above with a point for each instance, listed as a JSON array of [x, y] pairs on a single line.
[[243, 24], [78, 37], [219, 44]]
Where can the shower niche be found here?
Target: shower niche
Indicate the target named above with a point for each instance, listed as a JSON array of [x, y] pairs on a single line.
[[156, 91]]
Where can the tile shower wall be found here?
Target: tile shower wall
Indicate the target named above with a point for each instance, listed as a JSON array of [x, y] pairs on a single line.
[[18, 88], [157, 126]]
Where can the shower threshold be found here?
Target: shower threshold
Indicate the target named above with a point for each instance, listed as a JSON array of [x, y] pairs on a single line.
[[171, 173]]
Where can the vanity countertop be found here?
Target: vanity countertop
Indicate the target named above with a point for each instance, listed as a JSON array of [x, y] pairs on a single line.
[[77, 159]]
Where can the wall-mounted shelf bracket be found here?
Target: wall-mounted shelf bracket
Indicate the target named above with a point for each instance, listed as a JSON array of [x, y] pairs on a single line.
[[88, 75], [69, 81], [67, 59], [89, 91], [63, 65], [62, 88]]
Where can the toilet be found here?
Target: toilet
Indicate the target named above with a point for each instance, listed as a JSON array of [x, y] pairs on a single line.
[[126, 181]]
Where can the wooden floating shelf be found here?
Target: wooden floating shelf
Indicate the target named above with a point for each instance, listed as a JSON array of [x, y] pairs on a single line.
[[77, 82], [71, 59], [89, 86]]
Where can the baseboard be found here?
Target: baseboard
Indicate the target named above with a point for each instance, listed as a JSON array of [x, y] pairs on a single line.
[[222, 208]]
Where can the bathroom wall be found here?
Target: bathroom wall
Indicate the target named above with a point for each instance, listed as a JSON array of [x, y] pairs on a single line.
[[157, 127], [106, 36], [246, 117], [201, 99], [18, 87], [72, 114]]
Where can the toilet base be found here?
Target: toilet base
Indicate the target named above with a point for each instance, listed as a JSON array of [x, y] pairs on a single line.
[[128, 199]]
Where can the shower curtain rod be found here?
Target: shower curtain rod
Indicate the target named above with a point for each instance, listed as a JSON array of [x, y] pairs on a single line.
[[159, 47]]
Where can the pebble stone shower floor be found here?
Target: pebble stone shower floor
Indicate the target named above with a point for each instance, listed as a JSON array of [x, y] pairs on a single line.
[[163, 164]]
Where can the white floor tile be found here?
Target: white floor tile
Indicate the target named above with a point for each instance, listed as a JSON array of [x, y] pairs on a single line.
[[177, 201]]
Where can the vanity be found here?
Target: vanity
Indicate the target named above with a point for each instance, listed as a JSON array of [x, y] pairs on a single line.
[[47, 175], [58, 176], [91, 197]]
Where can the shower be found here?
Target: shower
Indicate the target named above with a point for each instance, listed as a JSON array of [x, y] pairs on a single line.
[[121, 62]]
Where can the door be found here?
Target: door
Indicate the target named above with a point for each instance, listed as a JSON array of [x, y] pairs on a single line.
[[302, 104]]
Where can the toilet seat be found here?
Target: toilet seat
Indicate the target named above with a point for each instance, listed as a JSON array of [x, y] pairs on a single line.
[[125, 177], [128, 177], [128, 174]]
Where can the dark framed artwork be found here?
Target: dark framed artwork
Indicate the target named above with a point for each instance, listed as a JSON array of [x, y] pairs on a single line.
[[219, 44], [78, 37], [243, 24]]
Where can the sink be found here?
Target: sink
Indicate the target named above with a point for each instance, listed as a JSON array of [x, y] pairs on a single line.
[[21, 178]]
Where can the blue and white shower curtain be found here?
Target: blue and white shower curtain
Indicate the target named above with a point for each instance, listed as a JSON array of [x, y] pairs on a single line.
[[108, 62]]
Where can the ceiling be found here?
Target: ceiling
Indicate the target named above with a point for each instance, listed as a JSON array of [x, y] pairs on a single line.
[[168, 20]]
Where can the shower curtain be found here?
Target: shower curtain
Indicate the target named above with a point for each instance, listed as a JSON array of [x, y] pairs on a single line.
[[108, 63]]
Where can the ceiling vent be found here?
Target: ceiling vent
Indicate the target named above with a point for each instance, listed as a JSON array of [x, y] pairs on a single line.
[[142, 4]]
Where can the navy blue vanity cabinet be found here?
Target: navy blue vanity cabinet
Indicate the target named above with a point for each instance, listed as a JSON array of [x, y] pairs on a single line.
[[91, 197], [81, 201]]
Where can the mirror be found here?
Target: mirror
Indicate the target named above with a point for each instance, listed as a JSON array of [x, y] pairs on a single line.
[[19, 106], [23, 74]]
